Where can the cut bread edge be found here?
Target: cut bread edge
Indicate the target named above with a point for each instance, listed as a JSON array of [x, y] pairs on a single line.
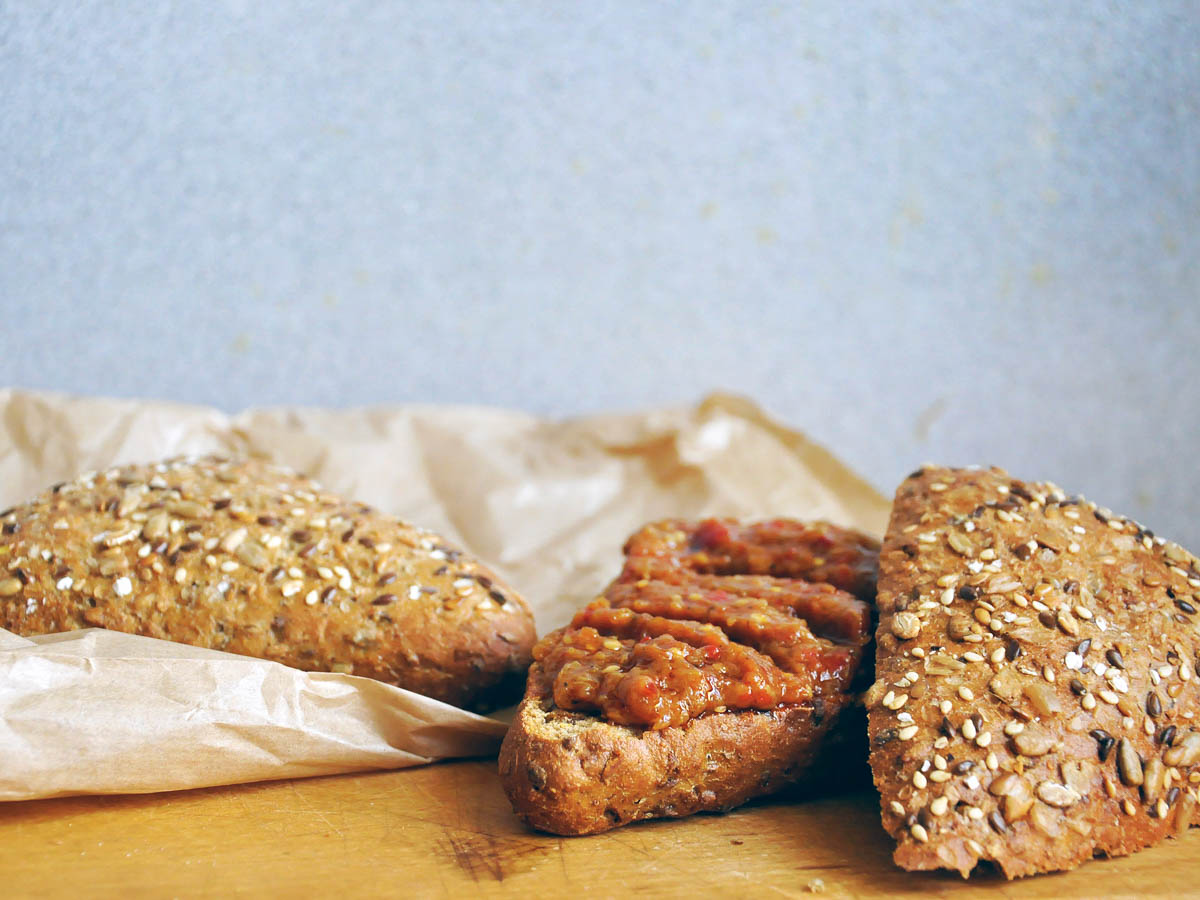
[[573, 774]]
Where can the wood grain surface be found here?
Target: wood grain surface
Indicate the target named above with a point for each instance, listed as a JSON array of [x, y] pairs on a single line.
[[446, 830]]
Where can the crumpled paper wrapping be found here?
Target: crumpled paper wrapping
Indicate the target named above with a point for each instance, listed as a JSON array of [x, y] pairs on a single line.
[[548, 504]]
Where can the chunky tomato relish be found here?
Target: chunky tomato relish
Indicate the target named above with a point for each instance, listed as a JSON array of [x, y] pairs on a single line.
[[715, 617]]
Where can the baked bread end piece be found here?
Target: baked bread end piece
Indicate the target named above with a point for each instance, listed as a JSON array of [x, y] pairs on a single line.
[[1036, 697], [574, 774]]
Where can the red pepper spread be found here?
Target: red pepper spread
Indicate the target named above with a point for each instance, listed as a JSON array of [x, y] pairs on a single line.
[[717, 616]]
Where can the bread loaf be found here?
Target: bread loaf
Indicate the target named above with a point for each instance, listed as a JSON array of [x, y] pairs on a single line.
[[708, 673], [254, 559], [1036, 698]]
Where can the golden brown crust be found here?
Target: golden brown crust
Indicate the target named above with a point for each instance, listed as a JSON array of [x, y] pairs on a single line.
[[1036, 695], [254, 559], [572, 774]]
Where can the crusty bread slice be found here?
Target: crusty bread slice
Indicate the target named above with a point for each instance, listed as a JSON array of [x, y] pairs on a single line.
[[581, 758], [570, 773], [1037, 698]]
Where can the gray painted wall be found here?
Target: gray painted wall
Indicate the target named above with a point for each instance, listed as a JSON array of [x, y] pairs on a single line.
[[966, 232]]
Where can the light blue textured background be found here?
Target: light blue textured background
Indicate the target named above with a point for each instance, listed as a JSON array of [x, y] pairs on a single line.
[[967, 232]]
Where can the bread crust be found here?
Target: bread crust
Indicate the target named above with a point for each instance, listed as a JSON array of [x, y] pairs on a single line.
[[1036, 695], [251, 558]]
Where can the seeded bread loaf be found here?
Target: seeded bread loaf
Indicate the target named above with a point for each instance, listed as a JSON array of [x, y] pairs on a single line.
[[697, 681], [1036, 698], [254, 559]]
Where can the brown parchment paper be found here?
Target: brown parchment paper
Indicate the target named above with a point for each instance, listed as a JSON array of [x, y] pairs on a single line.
[[548, 504]]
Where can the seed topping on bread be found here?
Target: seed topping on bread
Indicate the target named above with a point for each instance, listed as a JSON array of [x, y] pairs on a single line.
[[1035, 698], [252, 558]]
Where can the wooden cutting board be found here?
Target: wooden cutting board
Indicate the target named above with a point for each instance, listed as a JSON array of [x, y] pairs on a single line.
[[446, 830]]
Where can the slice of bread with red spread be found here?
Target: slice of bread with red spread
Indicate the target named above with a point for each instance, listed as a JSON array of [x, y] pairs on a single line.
[[708, 673]]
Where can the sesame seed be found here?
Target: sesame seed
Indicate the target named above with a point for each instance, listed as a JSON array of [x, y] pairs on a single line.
[[897, 808], [939, 775], [907, 733], [919, 781], [939, 806], [918, 832], [966, 693]]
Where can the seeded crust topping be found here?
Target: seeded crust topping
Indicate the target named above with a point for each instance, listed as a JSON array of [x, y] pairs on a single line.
[[1036, 696], [715, 617], [252, 558]]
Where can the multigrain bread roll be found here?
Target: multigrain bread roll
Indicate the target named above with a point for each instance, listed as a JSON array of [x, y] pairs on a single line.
[[254, 559], [1036, 697], [709, 672]]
